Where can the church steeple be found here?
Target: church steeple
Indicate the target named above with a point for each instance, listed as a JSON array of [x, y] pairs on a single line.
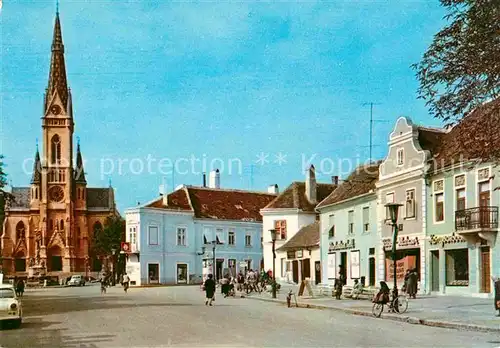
[[57, 75], [79, 170], [37, 167]]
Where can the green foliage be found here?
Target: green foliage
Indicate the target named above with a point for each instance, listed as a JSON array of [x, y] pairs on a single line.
[[110, 237], [3, 175], [461, 68]]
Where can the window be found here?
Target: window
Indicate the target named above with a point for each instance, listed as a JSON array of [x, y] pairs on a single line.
[[231, 263], [283, 267], [280, 227], [219, 236], [350, 217], [331, 223], [439, 203], [410, 203], [389, 198], [457, 267], [460, 204], [230, 239], [248, 240], [153, 235], [181, 236], [55, 149], [401, 157], [62, 225], [132, 235], [207, 235], [366, 219], [20, 231]]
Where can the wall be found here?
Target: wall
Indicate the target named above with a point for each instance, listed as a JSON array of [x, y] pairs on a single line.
[[294, 221], [363, 240]]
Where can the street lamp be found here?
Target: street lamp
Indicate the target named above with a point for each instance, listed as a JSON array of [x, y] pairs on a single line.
[[393, 213], [113, 252], [273, 238]]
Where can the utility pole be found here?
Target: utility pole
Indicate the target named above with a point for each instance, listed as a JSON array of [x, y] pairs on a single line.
[[371, 126]]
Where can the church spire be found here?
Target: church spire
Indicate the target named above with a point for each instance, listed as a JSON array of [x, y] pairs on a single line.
[[79, 170], [37, 168], [57, 75]]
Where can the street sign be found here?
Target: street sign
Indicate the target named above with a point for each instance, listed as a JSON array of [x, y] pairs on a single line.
[[125, 247]]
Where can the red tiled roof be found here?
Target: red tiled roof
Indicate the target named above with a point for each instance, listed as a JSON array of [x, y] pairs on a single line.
[[475, 137], [359, 182], [176, 200], [220, 204], [429, 138], [306, 237], [294, 196]]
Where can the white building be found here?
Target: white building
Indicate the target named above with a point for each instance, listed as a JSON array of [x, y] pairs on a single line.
[[292, 213]]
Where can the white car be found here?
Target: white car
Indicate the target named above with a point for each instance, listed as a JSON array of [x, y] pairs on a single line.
[[76, 280], [10, 306]]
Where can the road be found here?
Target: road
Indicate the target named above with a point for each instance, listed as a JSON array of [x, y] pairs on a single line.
[[177, 316]]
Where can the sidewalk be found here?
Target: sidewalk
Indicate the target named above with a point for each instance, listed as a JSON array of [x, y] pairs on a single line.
[[466, 313]]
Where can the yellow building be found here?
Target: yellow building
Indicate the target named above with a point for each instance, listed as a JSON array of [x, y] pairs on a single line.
[[52, 222]]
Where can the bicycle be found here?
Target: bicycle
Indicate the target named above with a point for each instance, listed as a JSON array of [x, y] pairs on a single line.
[[398, 304]]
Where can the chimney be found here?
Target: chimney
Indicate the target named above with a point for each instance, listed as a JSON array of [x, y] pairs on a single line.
[[335, 180], [311, 185], [163, 193], [204, 179], [273, 189], [214, 180]]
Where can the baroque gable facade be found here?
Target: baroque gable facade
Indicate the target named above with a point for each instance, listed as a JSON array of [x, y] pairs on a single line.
[[52, 222]]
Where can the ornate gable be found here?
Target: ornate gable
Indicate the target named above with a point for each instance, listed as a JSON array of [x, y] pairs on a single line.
[[21, 247], [57, 239]]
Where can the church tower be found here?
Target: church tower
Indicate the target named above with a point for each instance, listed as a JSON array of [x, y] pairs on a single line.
[[57, 124]]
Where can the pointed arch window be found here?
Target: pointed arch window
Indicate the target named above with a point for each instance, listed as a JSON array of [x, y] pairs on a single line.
[[20, 230], [55, 149], [97, 227]]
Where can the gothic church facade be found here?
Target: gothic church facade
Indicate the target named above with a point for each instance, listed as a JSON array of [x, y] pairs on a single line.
[[52, 222]]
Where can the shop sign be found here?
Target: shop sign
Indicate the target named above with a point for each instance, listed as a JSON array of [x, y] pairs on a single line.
[[342, 245], [405, 242], [446, 239]]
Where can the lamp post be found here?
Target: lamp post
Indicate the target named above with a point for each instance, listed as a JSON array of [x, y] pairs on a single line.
[[273, 239], [113, 253], [393, 212]]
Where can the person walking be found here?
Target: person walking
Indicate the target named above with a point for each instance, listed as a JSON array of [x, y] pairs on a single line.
[[412, 283], [20, 288], [209, 290], [125, 281], [103, 283], [496, 283]]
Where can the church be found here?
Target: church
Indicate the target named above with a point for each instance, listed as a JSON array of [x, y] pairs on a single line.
[[50, 225]]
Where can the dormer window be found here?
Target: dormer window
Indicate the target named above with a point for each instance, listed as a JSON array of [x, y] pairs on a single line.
[[401, 157]]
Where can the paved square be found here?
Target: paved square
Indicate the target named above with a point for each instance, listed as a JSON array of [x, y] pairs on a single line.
[[177, 316]]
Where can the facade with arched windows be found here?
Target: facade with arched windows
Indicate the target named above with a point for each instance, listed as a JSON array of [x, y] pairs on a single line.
[[52, 222]]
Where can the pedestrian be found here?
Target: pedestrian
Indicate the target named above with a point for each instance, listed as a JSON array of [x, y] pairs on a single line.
[[405, 285], [209, 290], [20, 288], [125, 281], [103, 283], [497, 294], [412, 283]]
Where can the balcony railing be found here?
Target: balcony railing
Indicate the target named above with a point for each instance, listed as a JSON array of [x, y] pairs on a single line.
[[476, 218]]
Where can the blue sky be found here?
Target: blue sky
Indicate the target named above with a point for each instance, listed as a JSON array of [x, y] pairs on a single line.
[[214, 80]]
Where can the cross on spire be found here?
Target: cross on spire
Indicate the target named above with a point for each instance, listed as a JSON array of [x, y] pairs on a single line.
[[57, 6]]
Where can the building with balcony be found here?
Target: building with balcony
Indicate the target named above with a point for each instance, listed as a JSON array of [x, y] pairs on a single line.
[[172, 239], [348, 225], [463, 200]]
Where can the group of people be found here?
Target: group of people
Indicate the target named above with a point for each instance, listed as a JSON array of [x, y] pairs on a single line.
[[105, 281], [251, 281]]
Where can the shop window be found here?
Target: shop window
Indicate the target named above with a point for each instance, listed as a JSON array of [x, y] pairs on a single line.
[[457, 267]]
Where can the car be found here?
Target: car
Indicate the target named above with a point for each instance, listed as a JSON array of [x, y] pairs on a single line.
[[76, 280], [11, 310]]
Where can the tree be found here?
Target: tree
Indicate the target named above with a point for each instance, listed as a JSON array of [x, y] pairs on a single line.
[[3, 175], [461, 68], [110, 237]]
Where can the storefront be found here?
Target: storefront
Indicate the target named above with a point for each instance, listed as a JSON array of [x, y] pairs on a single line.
[[408, 257], [458, 266]]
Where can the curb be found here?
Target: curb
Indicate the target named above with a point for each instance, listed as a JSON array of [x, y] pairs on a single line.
[[394, 317]]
